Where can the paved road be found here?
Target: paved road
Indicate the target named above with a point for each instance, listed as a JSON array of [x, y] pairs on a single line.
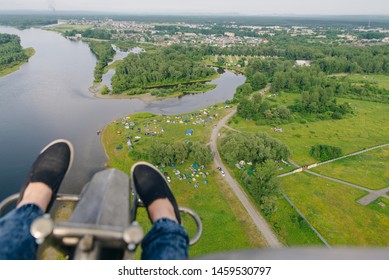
[[258, 220]]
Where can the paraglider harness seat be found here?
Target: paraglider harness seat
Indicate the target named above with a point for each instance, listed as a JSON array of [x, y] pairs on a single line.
[[104, 219]]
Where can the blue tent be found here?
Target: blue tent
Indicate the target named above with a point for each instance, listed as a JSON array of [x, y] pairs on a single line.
[[189, 132]]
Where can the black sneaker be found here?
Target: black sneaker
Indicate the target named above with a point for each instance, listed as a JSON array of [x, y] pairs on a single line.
[[50, 167], [150, 185]]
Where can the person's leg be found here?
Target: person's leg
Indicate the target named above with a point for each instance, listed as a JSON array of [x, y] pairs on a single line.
[[36, 198], [16, 242], [167, 239]]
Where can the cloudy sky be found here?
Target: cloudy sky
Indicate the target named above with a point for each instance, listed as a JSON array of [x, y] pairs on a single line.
[[262, 7]]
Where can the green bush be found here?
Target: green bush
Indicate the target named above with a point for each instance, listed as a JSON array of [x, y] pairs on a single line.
[[325, 152], [105, 90]]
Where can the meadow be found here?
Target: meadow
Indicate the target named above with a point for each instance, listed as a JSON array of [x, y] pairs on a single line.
[[331, 207], [334, 212], [380, 80], [368, 127], [370, 170]]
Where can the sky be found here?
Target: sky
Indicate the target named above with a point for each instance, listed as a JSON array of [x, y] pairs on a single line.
[[243, 7]]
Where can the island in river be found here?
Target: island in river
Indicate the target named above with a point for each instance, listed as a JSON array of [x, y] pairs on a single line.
[[12, 55]]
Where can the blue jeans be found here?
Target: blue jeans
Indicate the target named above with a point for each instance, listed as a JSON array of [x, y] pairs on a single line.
[[166, 240]]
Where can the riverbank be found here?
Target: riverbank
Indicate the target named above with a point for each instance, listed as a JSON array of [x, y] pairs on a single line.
[[148, 97], [29, 52], [97, 89]]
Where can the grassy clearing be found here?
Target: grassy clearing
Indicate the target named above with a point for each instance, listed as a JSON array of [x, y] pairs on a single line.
[[380, 80], [367, 128], [62, 28], [290, 226], [226, 224], [381, 205], [334, 212], [210, 61], [370, 170]]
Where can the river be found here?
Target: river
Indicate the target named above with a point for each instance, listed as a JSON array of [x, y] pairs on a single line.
[[48, 98]]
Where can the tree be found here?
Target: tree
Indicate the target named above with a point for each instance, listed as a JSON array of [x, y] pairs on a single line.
[[181, 152], [258, 81], [105, 54], [200, 153], [221, 61], [166, 66], [284, 113], [255, 148], [246, 108], [105, 90], [325, 152], [263, 185], [242, 91], [178, 152], [11, 51]]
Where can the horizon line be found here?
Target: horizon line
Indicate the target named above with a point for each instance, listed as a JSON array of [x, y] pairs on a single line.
[[182, 13]]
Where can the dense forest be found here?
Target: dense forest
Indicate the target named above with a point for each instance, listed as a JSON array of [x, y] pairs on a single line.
[[23, 21], [105, 54], [91, 33], [167, 66], [11, 52], [330, 59], [176, 153], [317, 84]]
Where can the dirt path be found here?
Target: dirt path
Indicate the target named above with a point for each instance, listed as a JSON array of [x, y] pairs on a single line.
[[353, 154], [258, 220], [366, 200], [373, 194]]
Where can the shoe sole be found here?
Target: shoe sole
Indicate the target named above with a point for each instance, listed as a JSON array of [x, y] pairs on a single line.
[[71, 148]]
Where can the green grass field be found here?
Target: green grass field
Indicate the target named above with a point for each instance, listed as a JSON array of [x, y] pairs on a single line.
[[332, 207], [334, 212], [370, 170], [290, 227], [381, 205], [367, 128], [226, 224], [62, 28], [381, 80]]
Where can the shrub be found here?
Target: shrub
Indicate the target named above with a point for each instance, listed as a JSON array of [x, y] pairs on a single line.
[[325, 152], [105, 90], [337, 116]]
